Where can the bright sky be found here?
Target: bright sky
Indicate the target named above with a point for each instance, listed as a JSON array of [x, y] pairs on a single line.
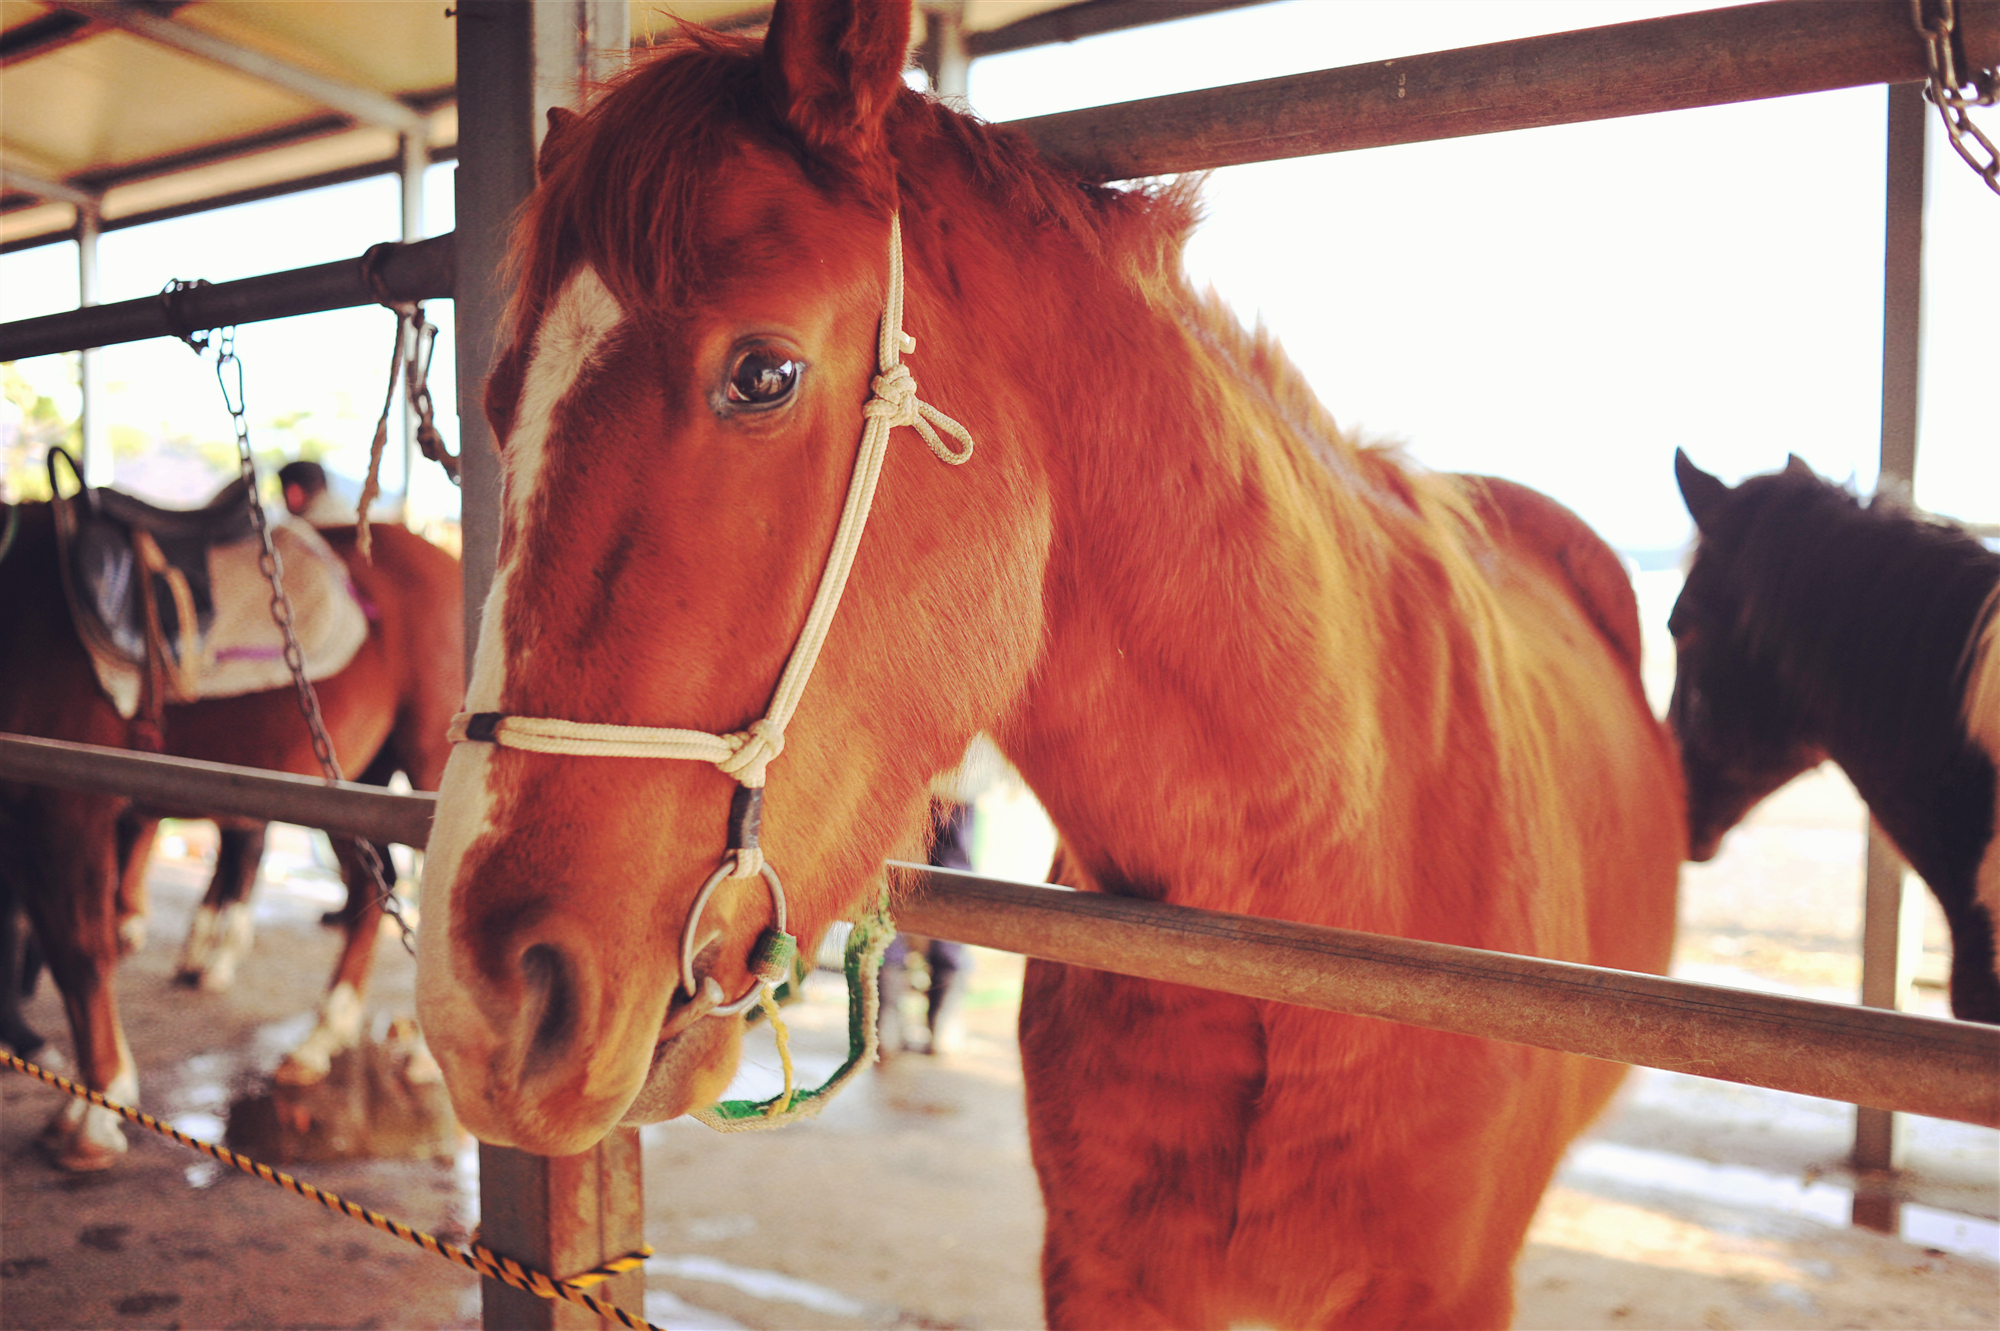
[[1563, 306]]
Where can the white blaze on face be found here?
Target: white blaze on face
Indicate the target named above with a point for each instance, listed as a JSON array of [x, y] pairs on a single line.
[[571, 334]]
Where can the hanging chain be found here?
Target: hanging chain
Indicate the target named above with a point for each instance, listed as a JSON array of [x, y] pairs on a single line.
[[219, 346], [1946, 88], [416, 338], [417, 390]]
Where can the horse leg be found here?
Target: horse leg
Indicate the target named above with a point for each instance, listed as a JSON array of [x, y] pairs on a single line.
[[136, 834], [221, 933], [1138, 1099], [1975, 990], [341, 1011], [15, 1032], [73, 909], [948, 963]]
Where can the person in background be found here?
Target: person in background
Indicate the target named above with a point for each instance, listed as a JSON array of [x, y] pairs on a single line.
[[947, 962], [307, 496]]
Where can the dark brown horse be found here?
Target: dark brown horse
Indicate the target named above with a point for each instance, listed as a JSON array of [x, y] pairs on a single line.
[[1813, 626], [58, 849]]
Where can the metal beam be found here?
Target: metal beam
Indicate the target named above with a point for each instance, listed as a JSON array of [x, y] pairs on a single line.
[[1708, 58], [206, 789], [254, 194], [423, 271], [42, 187], [363, 104], [1891, 1060], [1092, 18], [1701, 59]]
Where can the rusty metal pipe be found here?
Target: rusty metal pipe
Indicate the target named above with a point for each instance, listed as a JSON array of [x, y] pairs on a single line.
[[1890, 1060], [1886, 1060]]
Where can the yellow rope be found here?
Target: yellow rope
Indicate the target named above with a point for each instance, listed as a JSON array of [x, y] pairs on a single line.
[[783, 1104], [480, 1259]]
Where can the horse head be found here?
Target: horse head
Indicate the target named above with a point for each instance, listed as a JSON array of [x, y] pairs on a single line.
[[1742, 728], [704, 321]]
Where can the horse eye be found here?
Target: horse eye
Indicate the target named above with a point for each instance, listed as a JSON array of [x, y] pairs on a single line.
[[762, 377]]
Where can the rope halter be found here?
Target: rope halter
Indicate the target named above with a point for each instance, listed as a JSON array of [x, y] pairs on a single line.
[[746, 754]]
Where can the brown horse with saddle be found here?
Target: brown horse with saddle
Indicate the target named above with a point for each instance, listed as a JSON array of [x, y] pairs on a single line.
[[136, 627]]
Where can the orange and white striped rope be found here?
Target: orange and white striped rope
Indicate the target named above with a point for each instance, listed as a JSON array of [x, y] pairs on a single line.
[[477, 1258]]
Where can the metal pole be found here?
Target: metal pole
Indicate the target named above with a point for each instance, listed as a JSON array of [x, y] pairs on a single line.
[[944, 56], [97, 463], [1834, 1050], [413, 151], [1709, 58], [556, 1215], [1891, 935]]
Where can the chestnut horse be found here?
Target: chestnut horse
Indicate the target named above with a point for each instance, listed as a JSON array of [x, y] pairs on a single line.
[[1812, 626], [1245, 662], [58, 854]]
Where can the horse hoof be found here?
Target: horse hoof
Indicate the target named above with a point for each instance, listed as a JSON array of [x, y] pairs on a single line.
[[131, 935], [303, 1067], [85, 1156], [187, 978]]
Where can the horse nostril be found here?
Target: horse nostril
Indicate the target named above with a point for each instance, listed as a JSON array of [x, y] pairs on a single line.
[[549, 986]]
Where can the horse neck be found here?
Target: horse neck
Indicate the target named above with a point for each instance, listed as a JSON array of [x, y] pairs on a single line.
[[1874, 636], [1223, 577]]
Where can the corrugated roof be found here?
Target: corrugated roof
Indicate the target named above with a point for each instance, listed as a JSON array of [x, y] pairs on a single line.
[[151, 108]]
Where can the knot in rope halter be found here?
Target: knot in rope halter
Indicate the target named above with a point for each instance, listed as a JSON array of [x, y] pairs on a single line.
[[745, 755]]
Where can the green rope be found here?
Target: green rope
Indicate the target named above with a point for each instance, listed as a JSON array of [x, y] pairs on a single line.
[[861, 964]]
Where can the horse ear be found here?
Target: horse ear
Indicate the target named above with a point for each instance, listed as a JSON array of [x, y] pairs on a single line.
[[1702, 493], [835, 67], [562, 123], [1796, 466]]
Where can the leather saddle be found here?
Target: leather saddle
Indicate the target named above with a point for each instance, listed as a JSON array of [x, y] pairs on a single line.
[[139, 574]]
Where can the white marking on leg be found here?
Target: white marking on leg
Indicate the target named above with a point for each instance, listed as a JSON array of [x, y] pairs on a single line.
[[339, 1029], [200, 944], [234, 932]]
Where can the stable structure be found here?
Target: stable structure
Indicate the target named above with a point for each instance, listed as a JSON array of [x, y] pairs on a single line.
[[511, 60]]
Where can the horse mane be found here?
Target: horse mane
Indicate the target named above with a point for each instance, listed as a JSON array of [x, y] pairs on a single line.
[[622, 193], [624, 196], [1871, 611]]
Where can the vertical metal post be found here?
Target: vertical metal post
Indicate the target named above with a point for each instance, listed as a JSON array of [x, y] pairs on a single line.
[[413, 150], [96, 446], [1891, 928], [943, 55], [565, 1215]]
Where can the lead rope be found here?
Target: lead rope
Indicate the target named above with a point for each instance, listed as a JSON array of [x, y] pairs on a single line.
[[475, 1257], [747, 754]]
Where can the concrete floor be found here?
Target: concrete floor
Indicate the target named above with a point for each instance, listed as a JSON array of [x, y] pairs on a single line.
[[911, 1203]]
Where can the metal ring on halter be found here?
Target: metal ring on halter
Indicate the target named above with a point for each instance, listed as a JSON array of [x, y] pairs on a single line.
[[777, 926]]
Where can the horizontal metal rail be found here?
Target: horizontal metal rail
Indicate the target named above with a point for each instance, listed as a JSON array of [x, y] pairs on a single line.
[[1703, 59], [1888, 1060], [185, 786], [1710, 58], [419, 270]]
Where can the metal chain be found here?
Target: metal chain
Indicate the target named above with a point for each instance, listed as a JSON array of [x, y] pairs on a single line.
[[219, 345], [417, 391], [1945, 89]]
